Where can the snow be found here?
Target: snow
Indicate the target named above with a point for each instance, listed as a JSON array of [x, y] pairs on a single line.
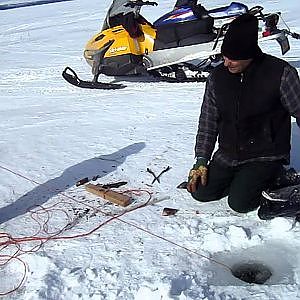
[[53, 134]]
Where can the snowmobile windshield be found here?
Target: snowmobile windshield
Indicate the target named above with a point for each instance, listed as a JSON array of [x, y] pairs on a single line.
[[117, 11], [119, 7], [234, 9], [182, 14]]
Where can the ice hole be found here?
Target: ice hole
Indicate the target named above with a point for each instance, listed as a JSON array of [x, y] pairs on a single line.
[[251, 272]]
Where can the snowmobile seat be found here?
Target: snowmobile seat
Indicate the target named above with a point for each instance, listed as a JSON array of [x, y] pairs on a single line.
[[172, 32], [197, 39], [171, 35]]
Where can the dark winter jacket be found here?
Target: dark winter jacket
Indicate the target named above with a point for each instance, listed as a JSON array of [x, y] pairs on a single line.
[[253, 121], [249, 112]]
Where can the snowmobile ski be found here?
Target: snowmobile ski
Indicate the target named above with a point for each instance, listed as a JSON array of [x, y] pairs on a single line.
[[70, 76]]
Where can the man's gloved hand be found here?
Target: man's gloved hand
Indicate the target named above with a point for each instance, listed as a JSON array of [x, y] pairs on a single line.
[[198, 174]]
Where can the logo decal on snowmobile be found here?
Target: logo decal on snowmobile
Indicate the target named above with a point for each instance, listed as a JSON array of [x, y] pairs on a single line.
[[180, 16], [118, 49]]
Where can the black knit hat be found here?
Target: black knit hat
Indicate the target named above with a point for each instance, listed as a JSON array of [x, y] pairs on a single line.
[[240, 40]]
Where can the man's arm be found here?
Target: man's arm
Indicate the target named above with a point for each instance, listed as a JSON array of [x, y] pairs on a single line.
[[290, 92], [208, 123]]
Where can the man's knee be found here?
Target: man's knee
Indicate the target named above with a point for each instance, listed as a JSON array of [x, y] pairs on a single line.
[[202, 196], [240, 206]]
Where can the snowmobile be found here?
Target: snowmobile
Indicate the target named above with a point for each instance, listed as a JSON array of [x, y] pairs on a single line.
[[182, 46]]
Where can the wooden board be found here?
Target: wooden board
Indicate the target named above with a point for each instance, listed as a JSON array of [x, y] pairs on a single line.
[[108, 194]]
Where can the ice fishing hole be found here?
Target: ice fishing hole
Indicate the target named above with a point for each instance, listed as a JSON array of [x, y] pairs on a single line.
[[251, 272]]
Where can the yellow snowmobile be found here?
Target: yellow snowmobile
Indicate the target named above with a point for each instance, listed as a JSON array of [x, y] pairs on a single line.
[[182, 45]]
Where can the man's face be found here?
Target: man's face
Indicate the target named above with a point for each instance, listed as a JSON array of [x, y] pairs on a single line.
[[236, 66]]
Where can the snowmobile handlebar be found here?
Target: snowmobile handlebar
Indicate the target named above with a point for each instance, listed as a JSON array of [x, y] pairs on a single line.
[[255, 10], [140, 3], [292, 34]]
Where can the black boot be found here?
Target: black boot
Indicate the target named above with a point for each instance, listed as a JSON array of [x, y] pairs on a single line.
[[286, 178], [280, 203]]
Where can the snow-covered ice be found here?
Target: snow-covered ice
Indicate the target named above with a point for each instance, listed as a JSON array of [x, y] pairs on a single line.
[[53, 134]]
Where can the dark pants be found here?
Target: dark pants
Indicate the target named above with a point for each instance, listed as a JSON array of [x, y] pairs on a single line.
[[243, 184]]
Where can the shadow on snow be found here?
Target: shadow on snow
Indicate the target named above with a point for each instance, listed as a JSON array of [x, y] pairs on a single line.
[[101, 166]]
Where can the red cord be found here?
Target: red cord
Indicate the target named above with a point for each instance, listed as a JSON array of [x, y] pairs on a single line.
[[42, 216]]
